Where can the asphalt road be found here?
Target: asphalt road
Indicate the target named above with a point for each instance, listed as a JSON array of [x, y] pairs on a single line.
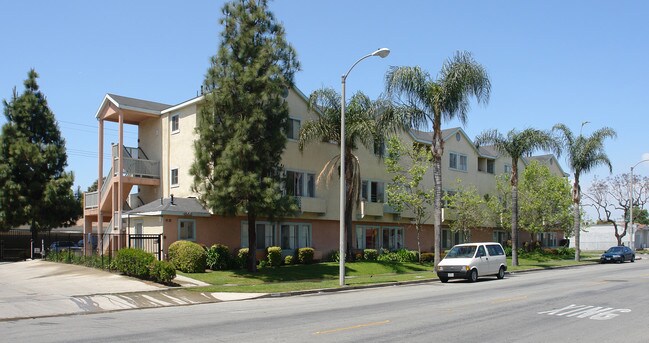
[[599, 303]]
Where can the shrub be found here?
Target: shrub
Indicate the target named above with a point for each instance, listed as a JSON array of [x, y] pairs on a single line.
[[333, 256], [370, 254], [288, 260], [401, 255], [427, 257], [133, 262], [188, 257], [263, 264], [242, 257], [274, 256], [218, 257], [305, 255], [508, 250], [162, 272], [564, 252]]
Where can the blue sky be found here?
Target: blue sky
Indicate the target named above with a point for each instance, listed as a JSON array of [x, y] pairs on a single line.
[[549, 61]]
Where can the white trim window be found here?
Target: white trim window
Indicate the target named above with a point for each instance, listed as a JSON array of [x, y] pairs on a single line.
[[294, 126], [491, 166], [294, 236], [458, 162], [450, 238], [500, 236], [187, 229], [300, 184], [375, 237], [379, 147], [173, 177], [507, 169], [373, 191], [175, 123], [266, 235]]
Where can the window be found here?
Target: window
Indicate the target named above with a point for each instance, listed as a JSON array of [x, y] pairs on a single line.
[[548, 239], [293, 129], [375, 237], [495, 250], [379, 147], [491, 166], [174, 177], [265, 235], [500, 236], [186, 229], [373, 191], [445, 202], [295, 236], [450, 238], [507, 168], [175, 123], [300, 184], [458, 162]]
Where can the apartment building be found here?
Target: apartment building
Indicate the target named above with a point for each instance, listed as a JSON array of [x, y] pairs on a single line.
[[147, 189]]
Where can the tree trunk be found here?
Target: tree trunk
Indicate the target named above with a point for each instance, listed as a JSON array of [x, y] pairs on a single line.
[[418, 228], [514, 183], [349, 206], [437, 151], [34, 231], [576, 216], [252, 242]]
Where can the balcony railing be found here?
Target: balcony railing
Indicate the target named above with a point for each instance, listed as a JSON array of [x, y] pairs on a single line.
[[139, 168], [92, 200], [312, 205]]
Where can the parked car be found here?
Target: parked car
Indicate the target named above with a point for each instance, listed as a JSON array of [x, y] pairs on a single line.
[[470, 260], [93, 238], [617, 254], [59, 246]]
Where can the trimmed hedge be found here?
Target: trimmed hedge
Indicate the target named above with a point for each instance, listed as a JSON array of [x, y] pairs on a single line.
[[242, 257], [133, 262], [305, 255], [218, 257], [288, 260], [188, 257], [162, 272], [370, 254], [274, 256]]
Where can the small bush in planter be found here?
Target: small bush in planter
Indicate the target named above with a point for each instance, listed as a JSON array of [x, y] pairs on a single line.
[[305, 255], [218, 257], [133, 262], [242, 257], [288, 260], [274, 256], [188, 257], [370, 254], [162, 272]]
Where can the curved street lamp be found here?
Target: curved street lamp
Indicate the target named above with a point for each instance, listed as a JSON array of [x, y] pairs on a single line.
[[382, 52], [632, 234]]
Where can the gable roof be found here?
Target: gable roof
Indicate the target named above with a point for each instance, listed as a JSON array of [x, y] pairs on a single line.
[[425, 137], [547, 159], [165, 206]]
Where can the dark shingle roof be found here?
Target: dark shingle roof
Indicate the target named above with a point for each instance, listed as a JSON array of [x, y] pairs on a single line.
[[138, 103], [180, 206]]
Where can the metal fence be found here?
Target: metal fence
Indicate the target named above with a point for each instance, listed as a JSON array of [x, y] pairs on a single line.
[[15, 245]]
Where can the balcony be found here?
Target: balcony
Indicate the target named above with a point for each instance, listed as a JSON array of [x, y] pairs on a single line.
[[371, 209], [449, 214], [312, 205]]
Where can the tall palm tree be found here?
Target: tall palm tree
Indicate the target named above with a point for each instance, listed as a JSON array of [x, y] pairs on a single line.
[[425, 102], [366, 123], [584, 154], [517, 145]]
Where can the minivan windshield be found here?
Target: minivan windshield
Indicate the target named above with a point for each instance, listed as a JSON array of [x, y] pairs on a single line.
[[466, 251]]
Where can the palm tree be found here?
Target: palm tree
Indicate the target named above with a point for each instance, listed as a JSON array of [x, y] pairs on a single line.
[[424, 102], [584, 154], [517, 145], [366, 123]]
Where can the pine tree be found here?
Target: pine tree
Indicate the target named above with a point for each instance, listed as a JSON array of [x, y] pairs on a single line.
[[243, 121], [34, 187]]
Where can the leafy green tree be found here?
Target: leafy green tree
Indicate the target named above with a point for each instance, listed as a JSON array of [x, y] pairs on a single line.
[[517, 145], [366, 123], [640, 215], [470, 209], [406, 191], [425, 102], [35, 189], [583, 154], [500, 211], [243, 120], [545, 201]]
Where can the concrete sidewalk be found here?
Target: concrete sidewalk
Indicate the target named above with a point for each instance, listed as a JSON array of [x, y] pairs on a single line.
[[39, 288]]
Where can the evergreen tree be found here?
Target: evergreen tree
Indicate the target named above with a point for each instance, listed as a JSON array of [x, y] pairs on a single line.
[[243, 121], [34, 187]]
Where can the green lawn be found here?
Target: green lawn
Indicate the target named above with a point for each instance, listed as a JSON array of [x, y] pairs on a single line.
[[325, 275]]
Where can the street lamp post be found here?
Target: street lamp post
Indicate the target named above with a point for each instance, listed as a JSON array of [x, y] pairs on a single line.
[[382, 52], [632, 233]]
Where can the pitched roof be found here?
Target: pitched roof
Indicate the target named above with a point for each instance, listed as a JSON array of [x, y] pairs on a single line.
[[123, 101], [179, 207], [488, 150]]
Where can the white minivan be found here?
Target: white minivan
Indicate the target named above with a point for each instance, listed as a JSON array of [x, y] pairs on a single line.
[[470, 260]]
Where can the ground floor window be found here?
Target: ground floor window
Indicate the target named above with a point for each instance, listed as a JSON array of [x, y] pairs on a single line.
[[548, 239], [295, 236], [265, 235], [500, 236], [186, 229], [376, 237], [450, 238]]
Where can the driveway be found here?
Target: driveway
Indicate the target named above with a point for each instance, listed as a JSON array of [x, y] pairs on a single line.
[[40, 288]]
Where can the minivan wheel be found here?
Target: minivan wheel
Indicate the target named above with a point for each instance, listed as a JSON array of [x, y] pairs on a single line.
[[501, 273], [473, 275], [443, 279], [632, 258]]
